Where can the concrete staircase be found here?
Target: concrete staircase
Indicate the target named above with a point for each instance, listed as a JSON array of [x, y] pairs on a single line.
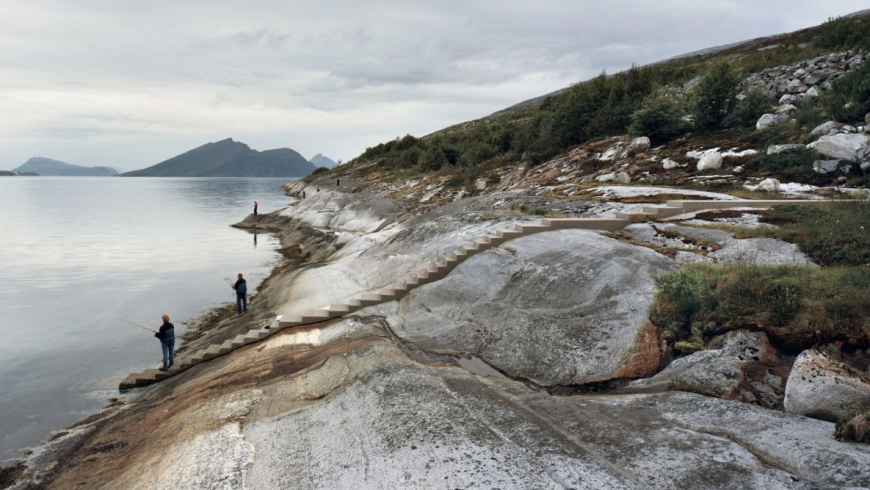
[[438, 271]]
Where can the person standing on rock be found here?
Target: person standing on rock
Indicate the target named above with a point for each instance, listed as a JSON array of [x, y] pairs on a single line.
[[166, 334], [255, 208], [241, 287]]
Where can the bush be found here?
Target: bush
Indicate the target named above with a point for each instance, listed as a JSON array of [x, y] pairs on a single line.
[[659, 119], [756, 104], [798, 307], [715, 95], [320, 170], [845, 33], [852, 89]]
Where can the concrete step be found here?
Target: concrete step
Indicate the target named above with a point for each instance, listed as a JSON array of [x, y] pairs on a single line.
[[312, 316], [239, 341], [339, 309], [634, 217], [370, 299], [662, 211], [604, 224], [289, 321], [528, 229]]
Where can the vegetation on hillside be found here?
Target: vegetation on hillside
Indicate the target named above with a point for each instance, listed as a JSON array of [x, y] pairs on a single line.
[[797, 306], [646, 101]]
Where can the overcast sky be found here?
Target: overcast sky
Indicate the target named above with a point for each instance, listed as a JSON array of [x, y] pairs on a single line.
[[131, 83]]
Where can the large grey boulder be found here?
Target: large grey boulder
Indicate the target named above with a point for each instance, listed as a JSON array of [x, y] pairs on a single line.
[[825, 128], [710, 161], [841, 146], [739, 365], [770, 120], [639, 145], [825, 166], [560, 308], [769, 185], [821, 387]]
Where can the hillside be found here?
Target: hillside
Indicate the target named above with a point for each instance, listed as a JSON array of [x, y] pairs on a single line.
[[730, 97], [228, 158], [322, 161], [49, 167]]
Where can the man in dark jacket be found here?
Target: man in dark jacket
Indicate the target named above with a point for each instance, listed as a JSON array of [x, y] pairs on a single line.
[[255, 208], [241, 288], [166, 334]]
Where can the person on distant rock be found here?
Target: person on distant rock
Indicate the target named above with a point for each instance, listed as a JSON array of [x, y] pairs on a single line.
[[241, 288], [337, 182], [166, 334], [255, 208]]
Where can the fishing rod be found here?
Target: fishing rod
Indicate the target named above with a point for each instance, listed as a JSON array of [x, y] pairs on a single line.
[[137, 325]]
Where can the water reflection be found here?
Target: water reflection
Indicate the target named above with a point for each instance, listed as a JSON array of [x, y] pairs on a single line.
[[81, 253]]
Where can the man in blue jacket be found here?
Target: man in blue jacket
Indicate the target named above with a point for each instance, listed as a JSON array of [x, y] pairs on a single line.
[[241, 288], [166, 334]]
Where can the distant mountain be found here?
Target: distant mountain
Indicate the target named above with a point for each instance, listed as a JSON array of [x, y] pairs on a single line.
[[228, 158], [47, 166], [321, 161]]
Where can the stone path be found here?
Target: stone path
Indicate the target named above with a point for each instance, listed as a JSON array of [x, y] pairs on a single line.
[[438, 271]]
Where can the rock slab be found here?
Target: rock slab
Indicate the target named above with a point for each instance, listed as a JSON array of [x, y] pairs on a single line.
[[821, 387]]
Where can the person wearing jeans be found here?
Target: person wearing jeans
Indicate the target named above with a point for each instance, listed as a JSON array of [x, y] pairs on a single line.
[[166, 334], [241, 288]]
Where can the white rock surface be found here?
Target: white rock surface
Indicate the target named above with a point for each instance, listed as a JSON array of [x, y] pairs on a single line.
[[841, 146], [618, 177], [767, 120], [777, 149], [819, 386], [825, 128], [711, 161], [769, 185], [669, 164]]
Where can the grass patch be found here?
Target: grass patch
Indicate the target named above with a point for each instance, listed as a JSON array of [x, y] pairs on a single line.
[[526, 209], [797, 306], [703, 244], [856, 429], [831, 234]]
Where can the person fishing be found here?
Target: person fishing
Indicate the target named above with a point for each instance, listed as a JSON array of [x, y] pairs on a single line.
[[166, 334], [241, 287], [255, 208]]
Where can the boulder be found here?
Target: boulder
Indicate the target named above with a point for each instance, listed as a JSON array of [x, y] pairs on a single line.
[[712, 161], [795, 87], [669, 164], [820, 76], [841, 146], [738, 169], [777, 149], [639, 145], [826, 128], [769, 185], [618, 177], [738, 365], [559, 308], [789, 99], [821, 387], [813, 92], [770, 120], [785, 109], [825, 166]]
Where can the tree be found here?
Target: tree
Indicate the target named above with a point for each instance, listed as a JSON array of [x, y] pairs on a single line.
[[715, 95], [658, 118]]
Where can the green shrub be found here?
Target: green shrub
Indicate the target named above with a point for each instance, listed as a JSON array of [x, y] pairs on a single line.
[[715, 95], [845, 33], [793, 166], [797, 306], [853, 89], [757, 103], [659, 119], [320, 170]]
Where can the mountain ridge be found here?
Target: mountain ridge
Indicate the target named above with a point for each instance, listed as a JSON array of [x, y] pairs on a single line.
[[49, 167], [229, 158]]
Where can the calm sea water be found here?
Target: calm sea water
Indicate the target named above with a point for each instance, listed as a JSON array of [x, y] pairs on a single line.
[[77, 254]]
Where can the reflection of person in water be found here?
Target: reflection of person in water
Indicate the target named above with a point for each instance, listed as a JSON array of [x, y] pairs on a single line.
[[255, 240]]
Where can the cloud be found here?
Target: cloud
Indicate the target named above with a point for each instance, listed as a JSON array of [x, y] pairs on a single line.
[[101, 82]]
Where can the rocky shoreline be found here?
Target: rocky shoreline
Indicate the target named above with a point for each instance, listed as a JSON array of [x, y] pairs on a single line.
[[500, 374]]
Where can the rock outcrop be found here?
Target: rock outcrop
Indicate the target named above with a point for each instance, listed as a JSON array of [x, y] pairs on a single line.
[[819, 386], [739, 365], [842, 146]]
